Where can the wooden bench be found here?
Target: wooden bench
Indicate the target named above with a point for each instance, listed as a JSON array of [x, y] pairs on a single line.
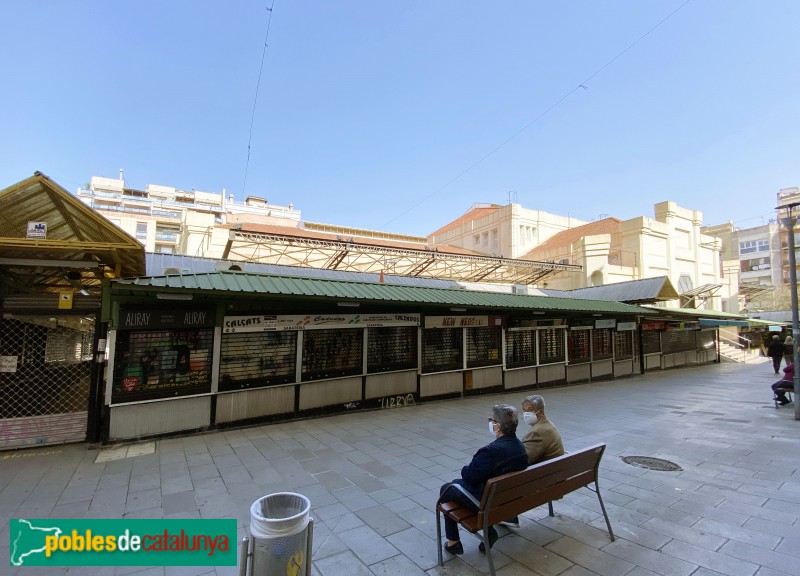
[[788, 389], [512, 494]]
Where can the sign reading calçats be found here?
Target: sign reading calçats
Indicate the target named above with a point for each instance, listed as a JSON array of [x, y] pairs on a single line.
[[267, 322]]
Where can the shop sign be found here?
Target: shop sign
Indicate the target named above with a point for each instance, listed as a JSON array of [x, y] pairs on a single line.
[[8, 363], [605, 323], [673, 326], [462, 321], [162, 319], [626, 326], [266, 323], [653, 325], [37, 230]]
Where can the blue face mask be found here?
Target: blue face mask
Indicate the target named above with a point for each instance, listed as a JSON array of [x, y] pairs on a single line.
[[491, 428]]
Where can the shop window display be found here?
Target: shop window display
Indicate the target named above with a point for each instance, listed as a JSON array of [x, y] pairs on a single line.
[[601, 344], [520, 348], [391, 348], [332, 353], [442, 349], [579, 348], [552, 347], [483, 346], [623, 345], [161, 364], [256, 359]]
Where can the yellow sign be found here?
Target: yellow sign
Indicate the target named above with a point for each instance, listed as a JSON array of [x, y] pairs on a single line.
[[65, 300]]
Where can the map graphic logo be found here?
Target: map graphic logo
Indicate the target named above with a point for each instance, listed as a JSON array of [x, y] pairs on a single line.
[[122, 542], [29, 540]]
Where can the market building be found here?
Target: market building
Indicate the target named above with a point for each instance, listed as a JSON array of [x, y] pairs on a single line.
[[95, 347]]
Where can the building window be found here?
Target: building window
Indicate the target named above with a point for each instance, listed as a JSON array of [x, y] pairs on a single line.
[[141, 230], [749, 247], [485, 239], [477, 239], [495, 242], [763, 245], [685, 283]]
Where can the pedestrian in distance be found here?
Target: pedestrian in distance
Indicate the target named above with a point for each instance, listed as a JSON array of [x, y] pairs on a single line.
[[788, 350], [775, 351]]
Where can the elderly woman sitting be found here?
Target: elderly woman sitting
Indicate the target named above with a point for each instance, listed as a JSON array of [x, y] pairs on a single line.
[[506, 454]]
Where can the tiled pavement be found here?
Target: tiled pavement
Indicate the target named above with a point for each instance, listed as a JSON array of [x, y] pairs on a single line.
[[373, 477]]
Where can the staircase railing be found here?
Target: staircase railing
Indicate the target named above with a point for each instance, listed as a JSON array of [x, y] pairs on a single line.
[[742, 344]]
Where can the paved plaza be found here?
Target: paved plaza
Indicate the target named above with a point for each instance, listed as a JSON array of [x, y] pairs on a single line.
[[373, 478]]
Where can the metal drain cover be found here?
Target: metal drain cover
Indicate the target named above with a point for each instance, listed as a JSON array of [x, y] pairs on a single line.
[[652, 463]]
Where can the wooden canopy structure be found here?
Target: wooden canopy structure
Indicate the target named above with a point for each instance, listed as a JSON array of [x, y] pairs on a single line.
[[50, 242]]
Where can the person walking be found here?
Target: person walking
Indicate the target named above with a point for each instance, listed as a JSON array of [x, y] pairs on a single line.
[[775, 351], [788, 350]]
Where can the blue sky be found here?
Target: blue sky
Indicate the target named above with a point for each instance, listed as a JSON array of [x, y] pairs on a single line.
[[369, 112]]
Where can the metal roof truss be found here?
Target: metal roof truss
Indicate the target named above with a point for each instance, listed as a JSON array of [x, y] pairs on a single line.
[[356, 257]]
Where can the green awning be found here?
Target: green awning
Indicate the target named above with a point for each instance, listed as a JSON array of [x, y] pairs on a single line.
[[720, 322]]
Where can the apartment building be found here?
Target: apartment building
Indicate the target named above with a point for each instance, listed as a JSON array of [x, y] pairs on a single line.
[[168, 220]]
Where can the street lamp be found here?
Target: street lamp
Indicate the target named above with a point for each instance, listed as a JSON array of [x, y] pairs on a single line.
[[790, 221]]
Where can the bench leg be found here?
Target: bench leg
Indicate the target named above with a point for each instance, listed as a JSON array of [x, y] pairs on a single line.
[[603, 507], [550, 508], [439, 536], [486, 546]]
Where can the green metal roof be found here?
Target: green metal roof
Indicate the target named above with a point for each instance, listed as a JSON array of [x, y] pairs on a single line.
[[759, 322], [696, 312], [244, 283]]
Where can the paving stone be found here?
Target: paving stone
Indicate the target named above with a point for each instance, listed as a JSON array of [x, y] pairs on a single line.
[[598, 561], [685, 534], [760, 556], [723, 563], [649, 559], [745, 535]]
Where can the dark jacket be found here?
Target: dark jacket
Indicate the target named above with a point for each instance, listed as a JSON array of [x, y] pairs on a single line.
[[775, 349], [506, 454]]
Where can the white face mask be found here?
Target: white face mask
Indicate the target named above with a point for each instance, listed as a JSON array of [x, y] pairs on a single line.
[[491, 428], [530, 418]]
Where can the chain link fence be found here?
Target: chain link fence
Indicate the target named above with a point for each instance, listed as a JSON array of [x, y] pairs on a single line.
[[45, 365]]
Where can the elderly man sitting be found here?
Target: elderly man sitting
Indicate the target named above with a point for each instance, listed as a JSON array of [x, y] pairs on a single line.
[[506, 454], [543, 440]]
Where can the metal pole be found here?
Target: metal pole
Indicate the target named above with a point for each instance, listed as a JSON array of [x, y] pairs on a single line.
[[790, 223]]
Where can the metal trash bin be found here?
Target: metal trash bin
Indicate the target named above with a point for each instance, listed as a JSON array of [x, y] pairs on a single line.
[[281, 536]]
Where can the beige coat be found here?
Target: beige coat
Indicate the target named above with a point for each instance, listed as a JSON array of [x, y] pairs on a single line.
[[543, 442]]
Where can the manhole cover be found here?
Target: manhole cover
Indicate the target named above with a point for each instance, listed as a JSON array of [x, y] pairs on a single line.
[[652, 463]]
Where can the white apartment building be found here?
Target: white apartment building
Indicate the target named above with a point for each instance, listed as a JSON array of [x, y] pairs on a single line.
[[168, 220], [761, 254]]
